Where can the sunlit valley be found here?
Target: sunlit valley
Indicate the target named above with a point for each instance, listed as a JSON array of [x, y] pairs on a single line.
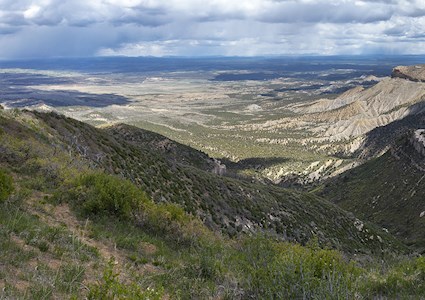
[[268, 115]]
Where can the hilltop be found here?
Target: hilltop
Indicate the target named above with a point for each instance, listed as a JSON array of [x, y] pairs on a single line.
[[413, 73]]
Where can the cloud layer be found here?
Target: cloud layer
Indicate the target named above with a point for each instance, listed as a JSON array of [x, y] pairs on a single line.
[[50, 28]]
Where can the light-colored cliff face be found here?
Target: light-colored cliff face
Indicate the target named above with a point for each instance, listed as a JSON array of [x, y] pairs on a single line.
[[359, 110], [413, 73], [342, 124]]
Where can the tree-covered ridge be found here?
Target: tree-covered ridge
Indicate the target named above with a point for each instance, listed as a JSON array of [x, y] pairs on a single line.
[[222, 203]]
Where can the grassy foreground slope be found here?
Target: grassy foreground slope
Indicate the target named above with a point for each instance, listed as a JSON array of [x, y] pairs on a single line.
[[70, 229]]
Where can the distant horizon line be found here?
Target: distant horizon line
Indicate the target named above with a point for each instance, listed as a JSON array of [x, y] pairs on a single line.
[[211, 56]]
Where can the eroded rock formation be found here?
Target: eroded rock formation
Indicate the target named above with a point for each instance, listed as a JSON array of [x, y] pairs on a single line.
[[413, 73]]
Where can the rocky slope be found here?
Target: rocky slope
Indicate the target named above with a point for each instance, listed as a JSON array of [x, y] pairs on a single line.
[[358, 111]]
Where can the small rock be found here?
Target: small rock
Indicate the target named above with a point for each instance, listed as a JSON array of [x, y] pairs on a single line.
[[254, 107], [359, 225]]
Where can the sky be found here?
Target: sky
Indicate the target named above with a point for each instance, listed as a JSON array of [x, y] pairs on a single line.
[[77, 28]]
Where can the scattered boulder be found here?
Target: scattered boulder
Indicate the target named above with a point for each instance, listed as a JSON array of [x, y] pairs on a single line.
[[418, 141], [219, 168]]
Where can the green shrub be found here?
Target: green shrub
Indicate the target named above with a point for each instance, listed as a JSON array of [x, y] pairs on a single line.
[[272, 270], [407, 278], [172, 222], [6, 186], [106, 195], [101, 194]]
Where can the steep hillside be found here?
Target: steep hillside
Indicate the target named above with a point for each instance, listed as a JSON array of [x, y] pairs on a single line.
[[222, 203], [70, 229], [379, 140], [172, 151], [387, 190]]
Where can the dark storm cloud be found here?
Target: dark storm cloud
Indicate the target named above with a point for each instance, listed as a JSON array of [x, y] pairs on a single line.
[[396, 31], [7, 30], [151, 17], [198, 27], [13, 19]]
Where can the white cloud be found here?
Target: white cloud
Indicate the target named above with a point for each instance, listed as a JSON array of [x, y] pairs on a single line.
[[32, 11], [215, 27], [140, 49]]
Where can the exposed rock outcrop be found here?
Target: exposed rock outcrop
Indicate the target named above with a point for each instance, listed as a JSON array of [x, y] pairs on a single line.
[[412, 73], [219, 168], [418, 141]]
